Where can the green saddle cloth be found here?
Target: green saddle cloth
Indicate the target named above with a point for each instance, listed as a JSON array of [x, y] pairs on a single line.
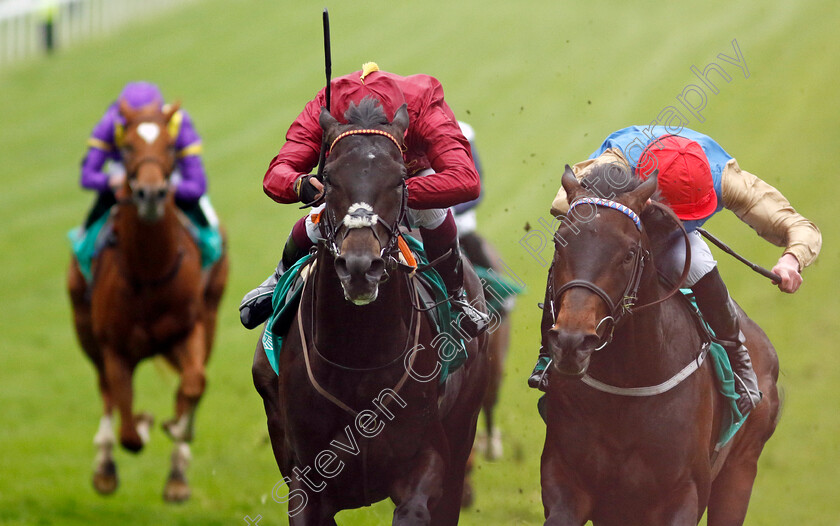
[[732, 419], [87, 243], [498, 290], [286, 298]]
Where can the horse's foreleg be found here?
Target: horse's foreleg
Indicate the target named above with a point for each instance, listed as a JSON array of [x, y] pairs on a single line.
[[420, 490], [189, 358], [134, 431], [563, 504], [105, 479]]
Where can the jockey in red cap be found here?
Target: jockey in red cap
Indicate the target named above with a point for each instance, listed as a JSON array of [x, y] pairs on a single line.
[[440, 170], [697, 179]]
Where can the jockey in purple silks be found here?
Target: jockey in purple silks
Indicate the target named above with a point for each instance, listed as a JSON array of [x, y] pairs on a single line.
[[102, 170]]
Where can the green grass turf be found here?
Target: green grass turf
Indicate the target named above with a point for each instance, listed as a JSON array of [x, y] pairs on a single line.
[[542, 83]]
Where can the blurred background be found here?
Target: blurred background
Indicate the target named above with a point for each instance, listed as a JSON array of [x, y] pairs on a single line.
[[541, 82]]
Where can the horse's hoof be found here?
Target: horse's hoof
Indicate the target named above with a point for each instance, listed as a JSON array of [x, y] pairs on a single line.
[[176, 490], [105, 480], [132, 444]]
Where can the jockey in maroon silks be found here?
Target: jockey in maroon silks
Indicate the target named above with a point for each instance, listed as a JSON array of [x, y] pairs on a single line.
[[441, 173]]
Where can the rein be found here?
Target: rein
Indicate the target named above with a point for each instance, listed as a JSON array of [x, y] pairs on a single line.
[[326, 394], [626, 305], [617, 311]]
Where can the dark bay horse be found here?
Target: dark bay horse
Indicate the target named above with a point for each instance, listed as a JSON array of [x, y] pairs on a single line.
[[148, 297], [357, 413], [482, 253], [637, 456]]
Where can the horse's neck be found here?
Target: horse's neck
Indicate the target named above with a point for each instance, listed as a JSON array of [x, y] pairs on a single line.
[[357, 335], [644, 348], [149, 249]]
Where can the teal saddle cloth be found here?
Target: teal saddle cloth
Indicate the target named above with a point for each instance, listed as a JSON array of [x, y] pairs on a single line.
[[87, 243], [286, 300]]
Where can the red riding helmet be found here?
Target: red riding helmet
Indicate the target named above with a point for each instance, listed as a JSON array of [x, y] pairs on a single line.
[[685, 180]]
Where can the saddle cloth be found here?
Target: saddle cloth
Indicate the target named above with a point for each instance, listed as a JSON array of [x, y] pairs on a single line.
[[431, 295]]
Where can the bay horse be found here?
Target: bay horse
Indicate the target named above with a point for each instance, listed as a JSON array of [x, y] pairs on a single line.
[[482, 253], [148, 297], [357, 413], [640, 449]]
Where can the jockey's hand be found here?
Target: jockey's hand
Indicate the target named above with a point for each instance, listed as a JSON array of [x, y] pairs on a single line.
[[116, 181], [309, 189], [788, 269]]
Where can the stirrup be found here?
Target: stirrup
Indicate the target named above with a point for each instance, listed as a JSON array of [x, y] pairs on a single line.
[[539, 376], [473, 322]]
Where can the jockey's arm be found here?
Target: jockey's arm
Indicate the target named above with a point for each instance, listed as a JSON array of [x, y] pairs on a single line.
[[298, 155], [188, 149], [100, 144], [455, 179], [770, 214]]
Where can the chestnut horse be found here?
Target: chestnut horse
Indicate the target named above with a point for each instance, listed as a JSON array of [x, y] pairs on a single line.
[[357, 413], [148, 297], [640, 449]]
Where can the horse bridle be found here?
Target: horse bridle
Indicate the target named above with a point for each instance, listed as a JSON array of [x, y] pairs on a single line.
[[365, 216], [617, 311]]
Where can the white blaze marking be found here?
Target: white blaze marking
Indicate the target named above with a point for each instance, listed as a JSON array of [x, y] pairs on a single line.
[[149, 131], [360, 222]]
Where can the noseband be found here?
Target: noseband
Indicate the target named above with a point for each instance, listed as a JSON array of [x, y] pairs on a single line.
[[361, 215], [616, 310]]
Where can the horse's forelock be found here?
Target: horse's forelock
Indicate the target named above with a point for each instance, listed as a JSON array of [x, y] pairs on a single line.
[[368, 113]]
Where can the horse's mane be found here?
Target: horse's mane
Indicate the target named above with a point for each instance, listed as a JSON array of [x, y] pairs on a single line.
[[367, 113]]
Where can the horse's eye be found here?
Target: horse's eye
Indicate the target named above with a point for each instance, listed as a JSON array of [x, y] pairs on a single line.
[[631, 255]]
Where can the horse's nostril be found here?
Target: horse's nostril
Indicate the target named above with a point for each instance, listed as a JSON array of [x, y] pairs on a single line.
[[341, 267], [377, 267], [161, 193], [141, 193]]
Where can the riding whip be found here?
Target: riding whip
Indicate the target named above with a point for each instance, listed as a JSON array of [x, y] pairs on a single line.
[[328, 70], [758, 268], [322, 157]]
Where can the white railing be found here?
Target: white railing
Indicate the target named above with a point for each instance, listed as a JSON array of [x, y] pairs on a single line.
[[25, 24]]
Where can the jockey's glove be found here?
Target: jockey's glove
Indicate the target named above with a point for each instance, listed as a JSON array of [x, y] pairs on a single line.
[[305, 190]]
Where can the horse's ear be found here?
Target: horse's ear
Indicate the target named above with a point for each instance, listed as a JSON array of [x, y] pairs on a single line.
[[571, 185], [171, 111], [637, 199], [401, 119], [127, 111], [326, 120]]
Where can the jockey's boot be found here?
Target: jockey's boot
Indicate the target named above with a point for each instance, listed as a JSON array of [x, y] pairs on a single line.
[[539, 377], [256, 305], [451, 270], [719, 312]]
